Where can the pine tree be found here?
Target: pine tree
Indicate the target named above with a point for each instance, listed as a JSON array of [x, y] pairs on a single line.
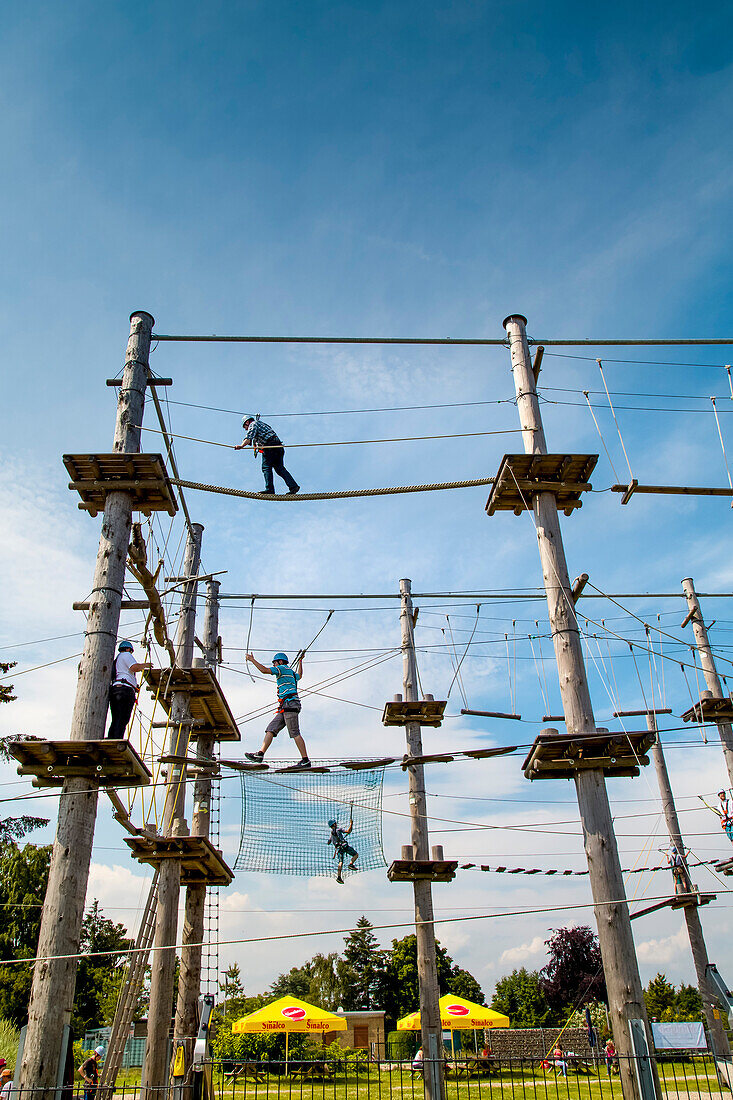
[[360, 968]]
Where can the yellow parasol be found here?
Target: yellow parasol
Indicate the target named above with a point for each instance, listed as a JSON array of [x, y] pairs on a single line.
[[289, 1014], [456, 1013]]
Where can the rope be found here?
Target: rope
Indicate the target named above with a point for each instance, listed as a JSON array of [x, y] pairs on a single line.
[[336, 495], [613, 413], [249, 635], [722, 444], [600, 435], [332, 443]]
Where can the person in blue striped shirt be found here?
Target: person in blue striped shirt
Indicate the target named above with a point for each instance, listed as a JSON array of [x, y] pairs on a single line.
[[288, 706], [264, 440]]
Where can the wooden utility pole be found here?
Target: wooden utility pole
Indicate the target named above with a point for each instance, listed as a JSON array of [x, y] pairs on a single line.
[[620, 967], [427, 967], [189, 982], [54, 978], [711, 1008], [163, 962], [707, 661]]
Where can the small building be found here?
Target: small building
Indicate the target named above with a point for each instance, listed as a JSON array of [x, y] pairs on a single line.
[[364, 1030]]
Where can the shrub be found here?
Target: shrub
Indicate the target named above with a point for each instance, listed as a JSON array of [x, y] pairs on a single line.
[[9, 1036], [401, 1045]]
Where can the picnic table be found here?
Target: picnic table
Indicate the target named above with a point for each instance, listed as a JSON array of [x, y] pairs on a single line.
[[312, 1071], [252, 1071]]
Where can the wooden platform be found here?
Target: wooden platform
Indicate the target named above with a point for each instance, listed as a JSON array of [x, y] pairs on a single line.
[[710, 710], [201, 862], [560, 756], [411, 870], [209, 709], [678, 901], [143, 476], [105, 763], [521, 477], [428, 712]]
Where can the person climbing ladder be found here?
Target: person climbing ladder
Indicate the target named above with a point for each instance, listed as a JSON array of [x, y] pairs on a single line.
[[265, 441], [288, 708], [341, 847]]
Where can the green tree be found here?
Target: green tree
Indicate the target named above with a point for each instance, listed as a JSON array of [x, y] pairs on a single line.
[[670, 1005], [520, 997], [296, 983], [360, 968], [99, 965], [689, 1003], [399, 991], [233, 1005], [465, 985], [660, 996], [23, 880]]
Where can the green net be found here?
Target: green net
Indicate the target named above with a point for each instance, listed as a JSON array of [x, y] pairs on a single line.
[[285, 819]]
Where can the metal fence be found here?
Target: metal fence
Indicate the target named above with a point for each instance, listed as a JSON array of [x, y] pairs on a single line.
[[357, 1077]]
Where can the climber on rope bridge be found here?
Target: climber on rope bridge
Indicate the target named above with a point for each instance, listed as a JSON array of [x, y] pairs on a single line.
[[341, 847], [288, 708], [265, 441]]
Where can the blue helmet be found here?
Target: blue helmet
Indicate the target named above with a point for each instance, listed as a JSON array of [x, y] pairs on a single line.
[[333, 824], [282, 657], [124, 644]]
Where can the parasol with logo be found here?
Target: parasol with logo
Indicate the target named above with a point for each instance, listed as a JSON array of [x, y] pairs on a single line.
[[289, 1014], [456, 1014]]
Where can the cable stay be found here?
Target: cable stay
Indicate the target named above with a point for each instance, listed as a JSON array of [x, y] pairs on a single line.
[[337, 495]]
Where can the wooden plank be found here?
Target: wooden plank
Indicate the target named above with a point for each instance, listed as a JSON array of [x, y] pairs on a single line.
[[484, 754], [360, 765], [675, 490]]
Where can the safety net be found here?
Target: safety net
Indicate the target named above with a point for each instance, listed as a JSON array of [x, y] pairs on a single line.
[[285, 820]]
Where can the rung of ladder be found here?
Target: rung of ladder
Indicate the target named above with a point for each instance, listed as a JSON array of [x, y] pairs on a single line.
[[129, 993]]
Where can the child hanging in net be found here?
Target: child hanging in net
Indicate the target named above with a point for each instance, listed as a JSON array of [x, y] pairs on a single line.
[[341, 847]]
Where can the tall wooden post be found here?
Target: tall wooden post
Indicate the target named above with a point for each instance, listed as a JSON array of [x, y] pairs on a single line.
[[155, 1069], [707, 661], [621, 970], [189, 982], [54, 980], [427, 966], [718, 1036]]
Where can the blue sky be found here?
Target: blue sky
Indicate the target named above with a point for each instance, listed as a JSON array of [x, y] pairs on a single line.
[[374, 169]]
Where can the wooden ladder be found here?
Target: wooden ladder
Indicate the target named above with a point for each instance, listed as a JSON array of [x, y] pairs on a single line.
[[129, 993]]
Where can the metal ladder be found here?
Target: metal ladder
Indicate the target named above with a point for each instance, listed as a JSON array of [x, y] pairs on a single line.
[[129, 993]]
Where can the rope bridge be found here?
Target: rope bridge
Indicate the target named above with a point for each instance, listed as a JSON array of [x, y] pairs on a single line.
[[285, 819], [335, 495]]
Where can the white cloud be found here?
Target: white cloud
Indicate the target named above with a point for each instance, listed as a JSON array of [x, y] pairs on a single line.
[[518, 956], [663, 951]]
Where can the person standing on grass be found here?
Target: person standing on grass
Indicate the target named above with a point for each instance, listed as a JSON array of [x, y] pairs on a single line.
[[89, 1070]]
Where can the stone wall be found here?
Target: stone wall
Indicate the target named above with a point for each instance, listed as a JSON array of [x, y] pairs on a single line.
[[534, 1042]]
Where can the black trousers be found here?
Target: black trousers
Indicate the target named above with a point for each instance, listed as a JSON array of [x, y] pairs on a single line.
[[273, 460], [121, 702]]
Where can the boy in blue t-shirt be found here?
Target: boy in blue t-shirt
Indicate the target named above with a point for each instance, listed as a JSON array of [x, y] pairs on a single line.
[[288, 708]]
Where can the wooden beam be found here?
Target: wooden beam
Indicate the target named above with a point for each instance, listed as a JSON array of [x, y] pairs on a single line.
[[671, 490]]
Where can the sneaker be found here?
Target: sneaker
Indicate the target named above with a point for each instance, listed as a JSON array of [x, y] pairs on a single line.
[[292, 492], [339, 880], [255, 757], [267, 493], [304, 763]]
